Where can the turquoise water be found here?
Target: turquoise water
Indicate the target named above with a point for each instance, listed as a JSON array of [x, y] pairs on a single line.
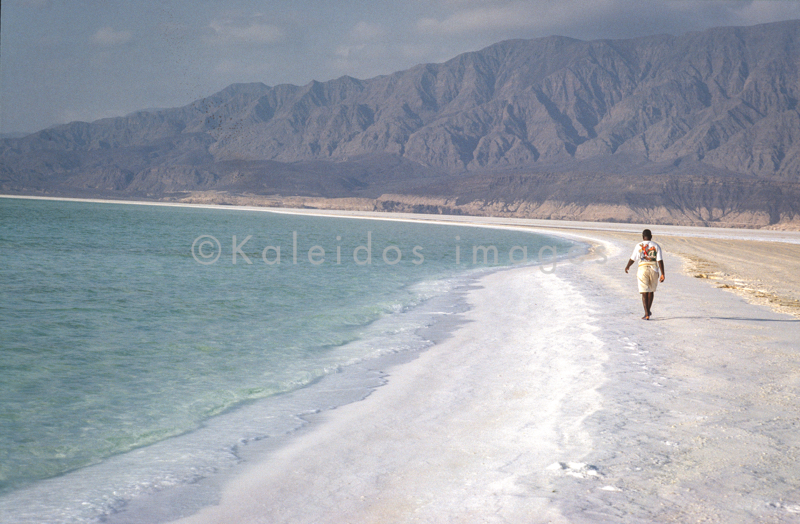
[[116, 331]]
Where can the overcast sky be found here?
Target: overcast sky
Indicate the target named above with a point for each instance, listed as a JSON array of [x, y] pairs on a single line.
[[65, 60]]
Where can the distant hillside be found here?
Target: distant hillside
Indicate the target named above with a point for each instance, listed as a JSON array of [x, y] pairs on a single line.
[[700, 128]]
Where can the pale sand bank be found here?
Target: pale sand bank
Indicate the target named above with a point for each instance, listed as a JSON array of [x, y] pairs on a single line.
[[555, 403]]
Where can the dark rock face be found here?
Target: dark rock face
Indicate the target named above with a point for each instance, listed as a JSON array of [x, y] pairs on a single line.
[[720, 103]]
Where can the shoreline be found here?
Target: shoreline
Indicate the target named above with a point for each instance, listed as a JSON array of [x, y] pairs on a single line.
[[788, 236], [400, 203], [398, 427], [124, 462], [351, 384], [599, 422]]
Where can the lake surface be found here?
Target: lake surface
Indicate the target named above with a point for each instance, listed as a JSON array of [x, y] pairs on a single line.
[[124, 326]]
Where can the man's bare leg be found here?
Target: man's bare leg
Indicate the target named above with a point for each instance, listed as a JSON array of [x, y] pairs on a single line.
[[647, 302]]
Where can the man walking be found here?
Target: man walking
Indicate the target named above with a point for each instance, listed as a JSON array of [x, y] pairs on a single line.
[[648, 254]]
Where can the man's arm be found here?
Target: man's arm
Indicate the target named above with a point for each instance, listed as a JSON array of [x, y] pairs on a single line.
[[661, 267], [630, 263]]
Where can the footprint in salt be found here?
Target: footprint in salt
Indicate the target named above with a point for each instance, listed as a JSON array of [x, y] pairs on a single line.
[[575, 469], [580, 470], [789, 508]]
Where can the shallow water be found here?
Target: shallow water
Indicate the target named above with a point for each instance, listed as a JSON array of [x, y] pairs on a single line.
[[120, 329]]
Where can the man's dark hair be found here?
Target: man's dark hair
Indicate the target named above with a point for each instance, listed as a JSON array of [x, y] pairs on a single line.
[[647, 235]]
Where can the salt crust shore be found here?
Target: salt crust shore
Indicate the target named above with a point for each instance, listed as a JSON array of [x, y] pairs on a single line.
[[554, 402]]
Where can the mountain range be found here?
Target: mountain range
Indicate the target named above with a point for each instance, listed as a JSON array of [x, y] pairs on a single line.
[[701, 128]]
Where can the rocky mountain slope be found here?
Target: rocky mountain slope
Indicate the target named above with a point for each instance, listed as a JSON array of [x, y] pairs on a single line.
[[699, 128]]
